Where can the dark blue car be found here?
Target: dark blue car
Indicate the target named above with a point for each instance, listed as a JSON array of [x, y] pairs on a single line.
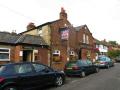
[[24, 76]]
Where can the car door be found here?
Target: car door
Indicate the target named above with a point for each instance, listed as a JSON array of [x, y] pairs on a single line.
[[85, 66], [44, 74], [25, 75], [91, 66]]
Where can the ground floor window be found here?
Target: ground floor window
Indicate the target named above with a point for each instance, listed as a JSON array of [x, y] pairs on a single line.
[[4, 54]]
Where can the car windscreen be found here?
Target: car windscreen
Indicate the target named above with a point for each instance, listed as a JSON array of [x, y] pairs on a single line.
[[2, 68]]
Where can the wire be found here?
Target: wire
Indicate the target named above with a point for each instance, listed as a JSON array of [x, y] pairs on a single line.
[[16, 12]]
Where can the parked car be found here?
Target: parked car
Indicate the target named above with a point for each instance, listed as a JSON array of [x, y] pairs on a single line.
[[117, 59], [104, 61], [28, 75], [80, 68]]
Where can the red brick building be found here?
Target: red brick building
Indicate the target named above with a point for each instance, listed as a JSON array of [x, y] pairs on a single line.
[[65, 41], [85, 43]]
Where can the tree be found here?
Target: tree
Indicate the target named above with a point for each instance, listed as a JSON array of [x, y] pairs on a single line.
[[114, 53], [113, 43]]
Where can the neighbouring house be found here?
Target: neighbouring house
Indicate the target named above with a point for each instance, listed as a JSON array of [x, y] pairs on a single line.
[[19, 48], [113, 47], [102, 47], [85, 43], [64, 40]]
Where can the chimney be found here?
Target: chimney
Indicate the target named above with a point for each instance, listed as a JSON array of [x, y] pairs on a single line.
[[13, 32], [63, 14], [30, 26]]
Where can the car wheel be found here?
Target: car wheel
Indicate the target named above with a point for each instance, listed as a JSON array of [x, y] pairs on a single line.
[[97, 70], [59, 81], [10, 88], [83, 74]]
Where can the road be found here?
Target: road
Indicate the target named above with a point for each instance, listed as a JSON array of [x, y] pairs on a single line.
[[106, 79]]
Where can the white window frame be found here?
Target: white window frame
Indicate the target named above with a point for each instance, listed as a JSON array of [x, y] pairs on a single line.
[[7, 59]]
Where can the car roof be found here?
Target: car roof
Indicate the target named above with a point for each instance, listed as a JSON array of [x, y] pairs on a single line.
[[19, 63]]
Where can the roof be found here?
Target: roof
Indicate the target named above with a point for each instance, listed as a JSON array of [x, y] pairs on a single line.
[[31, 39], [97, 41], [10, 38], [47, 23], [78, 28], [101, 42], [6, 37]]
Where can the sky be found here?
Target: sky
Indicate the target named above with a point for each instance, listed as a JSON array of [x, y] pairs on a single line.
[[101, 16]]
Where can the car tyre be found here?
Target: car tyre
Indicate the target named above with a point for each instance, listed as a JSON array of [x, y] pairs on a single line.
[[10, 88], [97, 70], [83, 74], [59, 81], [108, 66]]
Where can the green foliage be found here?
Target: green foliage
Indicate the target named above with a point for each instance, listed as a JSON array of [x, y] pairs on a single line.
[[113, 42], [114, 53]]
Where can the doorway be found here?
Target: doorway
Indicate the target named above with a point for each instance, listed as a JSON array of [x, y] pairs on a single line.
[[27, 55], [79, 54]]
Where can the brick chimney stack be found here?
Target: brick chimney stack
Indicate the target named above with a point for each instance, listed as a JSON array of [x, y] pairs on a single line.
[[30, 26], [63, 14]]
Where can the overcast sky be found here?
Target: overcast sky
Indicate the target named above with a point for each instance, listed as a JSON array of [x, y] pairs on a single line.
[[101, 16]]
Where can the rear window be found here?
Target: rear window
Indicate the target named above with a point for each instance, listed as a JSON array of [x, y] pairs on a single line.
[[82, 63], [77, 63]]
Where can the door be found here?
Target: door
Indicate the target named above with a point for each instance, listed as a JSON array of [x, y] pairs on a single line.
[[91, 66], [86, 66], [79, 54], [27, 55], [25, 75], [44, 74]]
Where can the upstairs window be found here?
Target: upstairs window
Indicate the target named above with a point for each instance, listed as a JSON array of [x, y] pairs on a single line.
[[4, 54], [40, 33], [87, 39], [84, 38]]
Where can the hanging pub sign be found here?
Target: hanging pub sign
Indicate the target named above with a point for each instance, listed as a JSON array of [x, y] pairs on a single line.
[[64, 33]]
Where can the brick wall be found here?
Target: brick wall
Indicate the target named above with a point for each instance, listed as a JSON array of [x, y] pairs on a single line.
[[43, 56]]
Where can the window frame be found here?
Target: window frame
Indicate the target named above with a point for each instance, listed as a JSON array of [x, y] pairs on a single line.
[[7, 59]]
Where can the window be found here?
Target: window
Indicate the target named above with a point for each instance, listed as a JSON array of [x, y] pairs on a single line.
[[89, 62], [23, 68], [40, 67], [84, 38], [2, 68], [87, 39], [4, 54], [40, 33]]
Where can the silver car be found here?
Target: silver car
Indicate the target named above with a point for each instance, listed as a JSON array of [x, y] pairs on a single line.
[[104, 61]]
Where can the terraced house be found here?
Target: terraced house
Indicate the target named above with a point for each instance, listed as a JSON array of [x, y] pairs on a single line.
[[19, 48], [65, 41]]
